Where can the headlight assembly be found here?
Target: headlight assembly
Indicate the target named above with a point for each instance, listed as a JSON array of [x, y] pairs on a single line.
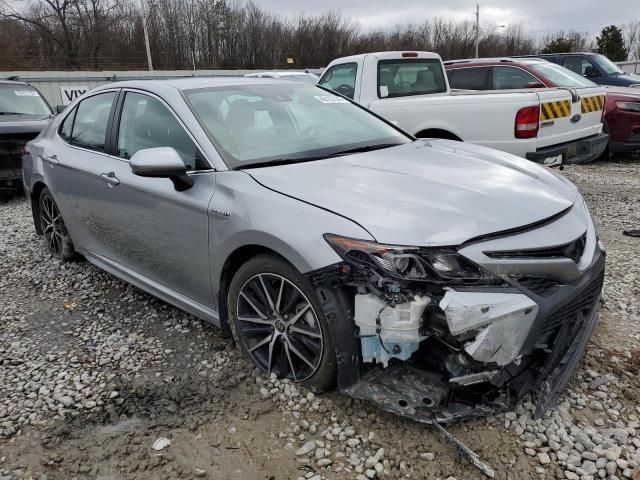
[[410, 263]]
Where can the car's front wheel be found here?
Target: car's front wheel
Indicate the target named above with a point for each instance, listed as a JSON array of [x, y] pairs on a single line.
[[54, 231], [278, 323]]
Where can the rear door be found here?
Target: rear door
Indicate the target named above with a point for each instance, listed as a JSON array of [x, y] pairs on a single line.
[[77, 160], [565, 117]]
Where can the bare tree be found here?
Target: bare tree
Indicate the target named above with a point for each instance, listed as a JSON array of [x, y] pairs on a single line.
[[232, 34]]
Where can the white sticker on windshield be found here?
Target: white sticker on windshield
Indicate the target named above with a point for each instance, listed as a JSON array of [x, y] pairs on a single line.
[[26, 93], [331, 99], [384, 91]]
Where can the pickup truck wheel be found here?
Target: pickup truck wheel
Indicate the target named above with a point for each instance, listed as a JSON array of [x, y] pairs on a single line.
[[54, 231], [277, 322]]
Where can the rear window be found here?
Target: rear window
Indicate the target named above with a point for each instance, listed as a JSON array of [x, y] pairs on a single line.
[[419, 76]]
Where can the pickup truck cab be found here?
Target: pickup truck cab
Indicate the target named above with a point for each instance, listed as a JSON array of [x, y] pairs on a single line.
[[411, 90]]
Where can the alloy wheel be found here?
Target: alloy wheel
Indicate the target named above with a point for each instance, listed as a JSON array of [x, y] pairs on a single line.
[[52, 225], [279, 327]]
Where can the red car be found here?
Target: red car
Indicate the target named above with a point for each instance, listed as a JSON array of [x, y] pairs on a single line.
[[622, 105]]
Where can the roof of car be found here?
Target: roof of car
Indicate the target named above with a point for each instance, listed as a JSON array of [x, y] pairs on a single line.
[[554, 54], [190, 83], [278, 73], [12, 82], [494, 61]]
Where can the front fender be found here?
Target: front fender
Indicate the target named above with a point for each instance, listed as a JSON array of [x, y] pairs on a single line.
[[245, 213]]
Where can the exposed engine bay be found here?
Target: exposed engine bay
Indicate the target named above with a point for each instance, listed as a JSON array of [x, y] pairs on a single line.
[[441, 338]]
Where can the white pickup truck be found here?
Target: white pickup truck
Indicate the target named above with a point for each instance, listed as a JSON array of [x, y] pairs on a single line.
[[410, 89]]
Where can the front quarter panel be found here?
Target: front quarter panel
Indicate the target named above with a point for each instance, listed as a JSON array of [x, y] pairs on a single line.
[[244, 213]]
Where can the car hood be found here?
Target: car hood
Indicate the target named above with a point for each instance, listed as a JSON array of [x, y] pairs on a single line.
[[429, 192], [23, 123], [624, 79]]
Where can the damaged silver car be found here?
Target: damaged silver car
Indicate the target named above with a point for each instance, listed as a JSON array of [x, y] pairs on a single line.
[[438, 279]]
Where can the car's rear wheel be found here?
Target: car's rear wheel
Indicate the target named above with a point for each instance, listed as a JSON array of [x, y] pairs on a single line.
[[278, 323], [54, 231]]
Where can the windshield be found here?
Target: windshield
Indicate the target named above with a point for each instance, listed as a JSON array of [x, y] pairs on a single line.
[[22, 99], [606, 65], [265, 123], [562, 77]]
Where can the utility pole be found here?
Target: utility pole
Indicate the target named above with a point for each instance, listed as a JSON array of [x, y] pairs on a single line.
[[477, 28], [145, 18]]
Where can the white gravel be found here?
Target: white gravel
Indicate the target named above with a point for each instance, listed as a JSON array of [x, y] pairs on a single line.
[[72, 338]]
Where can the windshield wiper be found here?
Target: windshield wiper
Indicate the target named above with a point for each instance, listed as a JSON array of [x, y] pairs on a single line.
[[13, 113], [273, 163], [288, 161], [367, 148]]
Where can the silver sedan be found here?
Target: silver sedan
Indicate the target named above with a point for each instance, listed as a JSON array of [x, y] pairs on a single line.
[[436, 278]]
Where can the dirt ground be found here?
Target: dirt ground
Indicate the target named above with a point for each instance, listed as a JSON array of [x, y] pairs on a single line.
[[94, 371]]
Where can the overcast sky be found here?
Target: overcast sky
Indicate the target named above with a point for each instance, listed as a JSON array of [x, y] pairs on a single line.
[[536, 16]]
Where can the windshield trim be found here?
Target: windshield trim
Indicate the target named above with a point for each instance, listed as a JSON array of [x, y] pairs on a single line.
[[233, 164]]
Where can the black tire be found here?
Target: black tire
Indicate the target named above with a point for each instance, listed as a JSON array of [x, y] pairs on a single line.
[[54, 231], [271, 268]]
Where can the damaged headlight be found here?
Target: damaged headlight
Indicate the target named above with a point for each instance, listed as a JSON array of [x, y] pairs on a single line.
[[409, 263]]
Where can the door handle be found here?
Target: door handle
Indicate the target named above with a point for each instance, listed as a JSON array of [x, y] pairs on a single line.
[[52, 159], [110, 178]]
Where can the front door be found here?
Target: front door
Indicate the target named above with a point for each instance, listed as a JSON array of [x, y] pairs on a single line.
[[163, 233]]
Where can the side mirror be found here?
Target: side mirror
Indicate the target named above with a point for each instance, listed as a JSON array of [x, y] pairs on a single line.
[[161, 162], [590, 72], [60, 108], [536, 85]]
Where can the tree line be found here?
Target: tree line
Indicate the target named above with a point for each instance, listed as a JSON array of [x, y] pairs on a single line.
[[206, 34]]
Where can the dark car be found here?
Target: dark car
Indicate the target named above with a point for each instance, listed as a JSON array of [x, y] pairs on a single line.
[[597, 68], [23, 114], [622, 104]]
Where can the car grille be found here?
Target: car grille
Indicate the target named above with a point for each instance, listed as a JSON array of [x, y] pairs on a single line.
[[583, 303], [11, 146], [572, 250], [542, 286]]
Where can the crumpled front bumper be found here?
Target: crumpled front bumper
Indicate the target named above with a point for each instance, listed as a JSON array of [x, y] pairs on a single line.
[[540, 360]]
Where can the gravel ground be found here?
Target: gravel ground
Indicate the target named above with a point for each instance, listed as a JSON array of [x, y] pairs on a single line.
[[96, 376]]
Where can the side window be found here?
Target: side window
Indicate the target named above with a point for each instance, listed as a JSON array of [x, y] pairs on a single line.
[[67, 126], [91, 118], [341, 79], [506, 78], [146, 123], [580, 65], [470, 78]]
